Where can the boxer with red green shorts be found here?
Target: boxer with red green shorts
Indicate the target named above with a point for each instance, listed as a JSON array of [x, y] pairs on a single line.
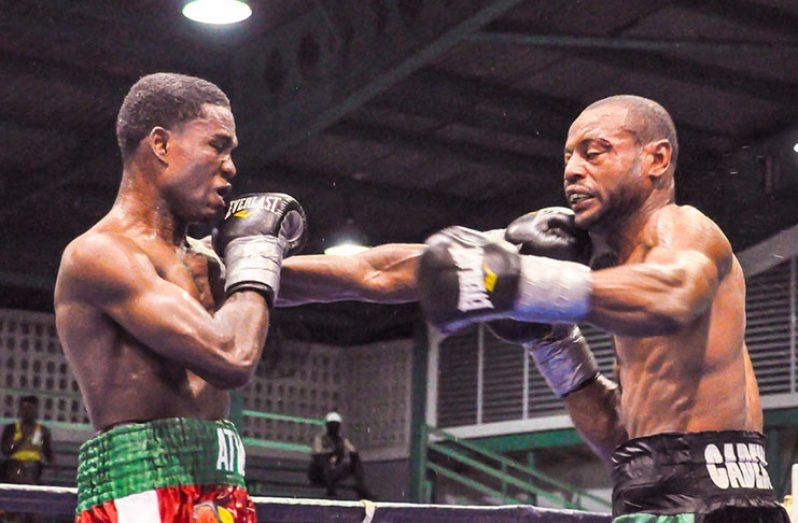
[[176, 469], [157, 326]]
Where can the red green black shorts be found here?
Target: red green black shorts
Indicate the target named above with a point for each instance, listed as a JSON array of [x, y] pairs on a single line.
[[177, 470]]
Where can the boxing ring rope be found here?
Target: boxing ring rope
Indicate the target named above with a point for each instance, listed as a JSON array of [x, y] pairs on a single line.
[[61, 501]]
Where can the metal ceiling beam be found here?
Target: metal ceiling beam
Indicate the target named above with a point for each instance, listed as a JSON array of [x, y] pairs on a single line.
[[498, 158], [657, 63], [546, 131], [448, 94], [304, 76], [750, 14], [477, 103], [624, 43], [483, 90]]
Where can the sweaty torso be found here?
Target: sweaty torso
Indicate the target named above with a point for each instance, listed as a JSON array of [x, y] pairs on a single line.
[[700, 379], [121, 379]]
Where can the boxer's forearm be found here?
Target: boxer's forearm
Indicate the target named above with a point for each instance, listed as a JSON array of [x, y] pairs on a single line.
[[594, 411], [653, 298], [384, 274], [245, 316]]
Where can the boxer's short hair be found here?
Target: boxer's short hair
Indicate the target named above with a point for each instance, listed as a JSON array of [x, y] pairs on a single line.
[[652, 120], [166, 100]]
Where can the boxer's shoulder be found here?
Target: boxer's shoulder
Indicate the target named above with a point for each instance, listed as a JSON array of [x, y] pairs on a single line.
[[675, 224], [685, 228], [98, 260]]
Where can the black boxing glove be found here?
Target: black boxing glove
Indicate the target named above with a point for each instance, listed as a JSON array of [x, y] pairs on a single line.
[[464, 277], [254, 236], [549, 232]]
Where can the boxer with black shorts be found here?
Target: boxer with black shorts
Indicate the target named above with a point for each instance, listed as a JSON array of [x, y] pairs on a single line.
[[682, 429], [154, 332]]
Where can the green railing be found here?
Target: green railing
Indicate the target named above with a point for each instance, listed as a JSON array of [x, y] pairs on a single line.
[[280, 445], [254, 442], [509, 473]]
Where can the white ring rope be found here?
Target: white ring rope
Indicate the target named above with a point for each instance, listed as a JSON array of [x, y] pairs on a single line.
[[49, 500]]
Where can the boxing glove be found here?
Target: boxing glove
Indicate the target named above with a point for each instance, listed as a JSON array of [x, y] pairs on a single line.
[[465, 278], [564, 359], [549, 232], [256, 233]]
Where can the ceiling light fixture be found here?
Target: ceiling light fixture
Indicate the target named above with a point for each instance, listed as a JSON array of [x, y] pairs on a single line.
[[217, 12], [795, 147], [345, 249], [347, 240]]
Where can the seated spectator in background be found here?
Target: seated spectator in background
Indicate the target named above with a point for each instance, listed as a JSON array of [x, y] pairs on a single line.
[[26, 445], [335, 458]]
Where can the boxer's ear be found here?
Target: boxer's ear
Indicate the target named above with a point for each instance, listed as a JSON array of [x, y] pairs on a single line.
[[158, 142], [658, 157]]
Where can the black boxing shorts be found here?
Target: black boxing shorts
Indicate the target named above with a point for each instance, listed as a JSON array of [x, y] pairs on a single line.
[[704, 477]]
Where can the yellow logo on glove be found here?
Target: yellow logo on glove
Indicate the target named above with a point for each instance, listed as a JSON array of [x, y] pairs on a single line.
[[490, 277], [241, 214]]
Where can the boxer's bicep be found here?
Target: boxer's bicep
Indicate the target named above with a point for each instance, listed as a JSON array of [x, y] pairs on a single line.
[[672, 286], [657, 297]]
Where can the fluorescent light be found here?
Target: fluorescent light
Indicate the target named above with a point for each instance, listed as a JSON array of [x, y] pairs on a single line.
[[345, 249], [217, 12], [795, 147]]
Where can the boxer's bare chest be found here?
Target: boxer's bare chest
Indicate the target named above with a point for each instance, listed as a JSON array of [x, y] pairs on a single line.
[[199, 277], [189, 270]]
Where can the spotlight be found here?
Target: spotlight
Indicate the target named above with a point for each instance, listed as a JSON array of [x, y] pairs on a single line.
[[795, 147], [349, 239], [217, 12]]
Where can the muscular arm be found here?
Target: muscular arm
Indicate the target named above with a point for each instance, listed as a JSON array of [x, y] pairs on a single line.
[[112, 274], [384, 274], [671, 287], [670, 281], [594, 411]]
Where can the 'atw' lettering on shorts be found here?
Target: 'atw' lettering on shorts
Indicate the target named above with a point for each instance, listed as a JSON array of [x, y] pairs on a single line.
[[268, 203], [740, 465], [470, 279], [231, 456]]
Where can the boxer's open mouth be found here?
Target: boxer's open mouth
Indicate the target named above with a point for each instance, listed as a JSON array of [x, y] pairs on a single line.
[[577, 197]]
